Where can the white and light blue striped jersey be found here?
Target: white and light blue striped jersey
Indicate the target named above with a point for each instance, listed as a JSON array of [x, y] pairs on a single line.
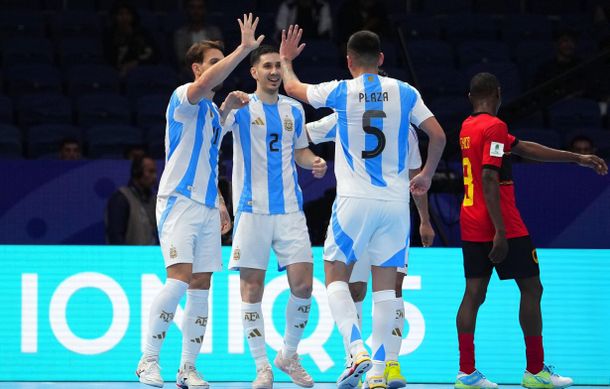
[[325, 130], [192, 138], [264, 171], [373, 116]]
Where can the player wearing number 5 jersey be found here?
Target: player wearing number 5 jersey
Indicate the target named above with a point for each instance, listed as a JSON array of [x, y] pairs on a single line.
[[370, 214], [494, 236]]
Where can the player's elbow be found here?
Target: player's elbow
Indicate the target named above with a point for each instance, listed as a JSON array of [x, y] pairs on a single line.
[[490, 179]]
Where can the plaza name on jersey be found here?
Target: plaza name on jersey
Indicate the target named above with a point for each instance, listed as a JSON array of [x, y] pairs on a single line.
[[372, 97]]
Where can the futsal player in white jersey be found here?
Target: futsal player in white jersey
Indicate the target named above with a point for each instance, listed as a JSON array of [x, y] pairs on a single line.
[[325, 130], [188, 217], [370, 214], [268, 138]]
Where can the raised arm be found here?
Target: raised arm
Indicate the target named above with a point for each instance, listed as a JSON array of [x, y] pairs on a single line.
[[289, 50], [538, 152], [216, 74]]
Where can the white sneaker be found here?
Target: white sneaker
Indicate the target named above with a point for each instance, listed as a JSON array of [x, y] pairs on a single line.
[[356, 367], [474, 380], [292, 366], [264, 378], [189, 378], [545, 379], [149, 372]]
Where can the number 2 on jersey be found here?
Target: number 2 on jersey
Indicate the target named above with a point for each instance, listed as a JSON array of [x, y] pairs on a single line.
[[272, 146], [468, 185]]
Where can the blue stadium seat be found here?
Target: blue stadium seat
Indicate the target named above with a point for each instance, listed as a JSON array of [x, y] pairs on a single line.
[[463, 27], [421, 27], [446, 6], [111, 141], [27, 50], [150, 110], [91, 79], [76, 23], [506, 72], [80, 50], [45, 108], [435, 81], [10, 142], [482, 51], [6, 110], [571, 114], [534, 120], [320, 52], [451, 111], [151, 79], [28, 79], [544, 136], [529, 55], [431, 52], [21, 23], [102, 109], [319, 74], [44, 139], [599, 136], [155, 140], [520, 28]]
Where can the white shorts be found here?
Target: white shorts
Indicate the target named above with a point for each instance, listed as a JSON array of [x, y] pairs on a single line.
[[373, 230], [362, 269], [256, 234], [189, 232]]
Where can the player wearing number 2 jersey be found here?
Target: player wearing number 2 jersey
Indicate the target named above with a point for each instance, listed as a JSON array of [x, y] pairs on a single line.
[[370, 215], [494, 236]]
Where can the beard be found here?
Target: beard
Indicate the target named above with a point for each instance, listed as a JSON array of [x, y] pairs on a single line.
[[217, 88]]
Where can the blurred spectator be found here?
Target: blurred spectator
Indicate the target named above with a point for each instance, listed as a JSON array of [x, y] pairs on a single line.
[[311, 15], [195, 29], [355, 15], [565, 58], [130, 213], [134, 152], [581, 144], [69, 150], [126, 44]]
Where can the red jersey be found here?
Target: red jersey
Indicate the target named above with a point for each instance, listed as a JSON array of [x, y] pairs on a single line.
[[486, 143]]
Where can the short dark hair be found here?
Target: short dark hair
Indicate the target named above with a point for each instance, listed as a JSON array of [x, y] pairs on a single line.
[[364, 46], [68, 141], [261, 50], [197, 51], [483, 85]]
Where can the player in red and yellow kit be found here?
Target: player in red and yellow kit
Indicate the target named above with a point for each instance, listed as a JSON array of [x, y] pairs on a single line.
[[494, 235]]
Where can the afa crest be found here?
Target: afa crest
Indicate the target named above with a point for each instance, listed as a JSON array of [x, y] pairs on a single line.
[[288, 124], [236, 254], [173, 253]]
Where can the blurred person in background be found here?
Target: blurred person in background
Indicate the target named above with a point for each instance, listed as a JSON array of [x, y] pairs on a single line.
[[312, 15], [126, 43], [69, 150], [581, 144], [194, 30], [130, 213]]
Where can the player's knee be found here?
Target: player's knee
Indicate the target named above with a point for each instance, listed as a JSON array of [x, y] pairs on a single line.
[[358, 291], [476, 295], [252, 292], [302, 290], [200, 281]]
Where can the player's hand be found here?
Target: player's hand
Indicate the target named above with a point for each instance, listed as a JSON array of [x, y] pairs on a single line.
[[420, 184], [236, 100], [225, 219], [290, 48], [248, 29], [426, 232], [500, 248], [319, 167], [594, 162]]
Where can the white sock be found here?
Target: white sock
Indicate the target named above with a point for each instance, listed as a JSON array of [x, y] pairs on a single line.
[[383, 318], [161, 315], [297, 314], [254, 330], [193, 325], [344, 312], [358, 305], [395, 341]]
